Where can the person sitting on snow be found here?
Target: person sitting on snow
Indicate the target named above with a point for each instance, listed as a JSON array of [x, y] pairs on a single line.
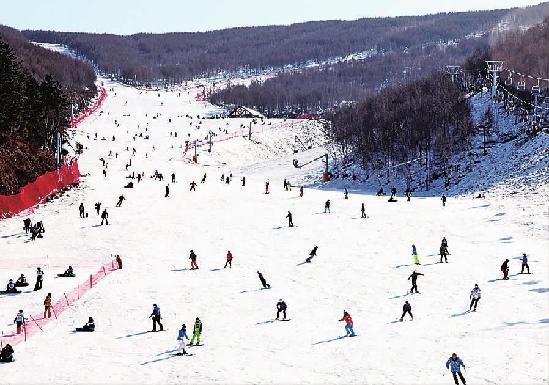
[[21, 281], [6, 355]]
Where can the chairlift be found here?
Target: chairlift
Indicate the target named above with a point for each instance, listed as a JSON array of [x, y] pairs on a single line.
[[509, 80], [521, 84], [536, 88]]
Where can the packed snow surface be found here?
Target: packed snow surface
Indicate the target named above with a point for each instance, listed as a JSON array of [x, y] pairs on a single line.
[[362, 265]]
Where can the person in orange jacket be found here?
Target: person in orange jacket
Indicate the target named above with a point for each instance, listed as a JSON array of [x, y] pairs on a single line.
[[348, 324]]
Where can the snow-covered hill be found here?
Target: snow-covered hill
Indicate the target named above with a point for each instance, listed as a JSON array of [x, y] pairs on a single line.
[[362, 264]]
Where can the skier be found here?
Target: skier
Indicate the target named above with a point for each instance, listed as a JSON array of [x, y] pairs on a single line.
[[203, 180], [19, 321], [119, 261], [98, 207], [173, 177], [312, 254], [407, 308], [47, 306], [243, 181], [444, 250], [6, 354], [327, 207], [281, 308], [197, 331], [266, 187], [39, 279], [167, 194], [193, 186], [181, 338], [301, 191], [475, 296], [414, 254], [192, 257], [285, 184], [81, 210], [363, 211], [290, 221], [505, 269], [455, 363], [414, 276], [348, 324], [443, 199], [263, 281], [104, 217], [121, 198], [346, 193], [229, 260], [524, 264], [155, 315]]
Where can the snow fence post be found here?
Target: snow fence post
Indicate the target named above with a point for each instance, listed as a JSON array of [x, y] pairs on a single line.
[[25, 330], [104, 272], [68, 304], [91, 281], [54, 313]]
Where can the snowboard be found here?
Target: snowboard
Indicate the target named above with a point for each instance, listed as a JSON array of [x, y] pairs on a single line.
[[195, 345], [287, 319], [66, 276], [181, 354], [10, 292]]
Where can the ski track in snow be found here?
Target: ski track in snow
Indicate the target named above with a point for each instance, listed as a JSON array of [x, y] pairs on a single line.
[[362, 266]]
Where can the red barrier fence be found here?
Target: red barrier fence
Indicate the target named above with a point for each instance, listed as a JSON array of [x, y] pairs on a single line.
[[38, 191], [36, 322], [91, 109]]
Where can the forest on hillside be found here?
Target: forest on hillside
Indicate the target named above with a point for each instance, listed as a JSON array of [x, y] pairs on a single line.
[[181, 56]]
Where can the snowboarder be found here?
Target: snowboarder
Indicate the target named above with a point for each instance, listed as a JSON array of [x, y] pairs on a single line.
[[290, 221], [181, 338], [301, 191], [156, 317], [229, 260], [119, 261], [393, 192], [81, 210], [414, 254], [21, 281], [475, 296], [263, 281], [443, 199], [525, 264], [197, 331], [39, 279], [203, 180], [327, 207], [312, 254], [6, 354], [19, 321], [281, 308], [121, 198], [173, 177], [10, 287], [104, 217], [88, 326], [455, 363], [406, 309], [414, 276], [47, 306], [98, 207], [408, 195], [348, 324], [167, 194], [266, 187], [505, 269], [68, 273], [444, 250], [193, 186], [285, 184], [363, 211], [243, 181], [27, 224], [192, 257]]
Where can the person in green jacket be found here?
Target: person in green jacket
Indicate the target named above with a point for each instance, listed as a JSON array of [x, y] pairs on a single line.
[[197, 331]]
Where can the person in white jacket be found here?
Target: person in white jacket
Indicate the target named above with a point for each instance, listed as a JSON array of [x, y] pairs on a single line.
[[475, 296]]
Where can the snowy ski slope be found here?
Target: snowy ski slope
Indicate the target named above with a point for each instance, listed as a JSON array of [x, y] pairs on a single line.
[[362, 266]]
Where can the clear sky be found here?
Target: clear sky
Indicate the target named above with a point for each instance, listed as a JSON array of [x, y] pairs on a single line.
[[131, 16]]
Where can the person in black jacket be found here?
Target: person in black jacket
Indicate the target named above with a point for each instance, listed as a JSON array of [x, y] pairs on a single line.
[[88, 327], [414, 276], [312, 254], [6, 355], [505, 269], [281, 308], [263, 281], [407, 308], [290, 221], [155, 315], [104, 217]]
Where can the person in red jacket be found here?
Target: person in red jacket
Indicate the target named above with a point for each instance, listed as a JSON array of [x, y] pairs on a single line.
[[229, 260], [348, 324]]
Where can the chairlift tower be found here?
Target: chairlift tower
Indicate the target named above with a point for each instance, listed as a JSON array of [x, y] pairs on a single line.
[[494, 67]]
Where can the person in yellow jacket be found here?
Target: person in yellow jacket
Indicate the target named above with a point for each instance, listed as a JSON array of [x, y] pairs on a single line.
[[197, 331]]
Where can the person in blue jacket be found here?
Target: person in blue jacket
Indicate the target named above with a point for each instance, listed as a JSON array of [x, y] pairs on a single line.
[[181, 338], [455, 363]]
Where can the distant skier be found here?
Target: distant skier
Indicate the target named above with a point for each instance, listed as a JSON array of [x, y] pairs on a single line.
[[119, 261], [406, 309], [197, 331], [327, 206], [263, 281], [363, 211], [525, 264], [346, 193], [393, 192], [281, 308], [505, 269], [98, 207], [173, 177], [121, 199], [243, 181], [47, 306], [301, 191], [192, 257], [229, 260], [290, 219], [475, 297], [444, 250], [443, 199], [181, 338], [203, 180], [266, 187], [19, 321], [81, 210], [156, 317], [414, 276], [167, 194], [222, 178], [227, 180], [39, 279], [348, 324], [455, 363], [408, 194], [104, 217], [193, 186], [312, 254], [414, 254]]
